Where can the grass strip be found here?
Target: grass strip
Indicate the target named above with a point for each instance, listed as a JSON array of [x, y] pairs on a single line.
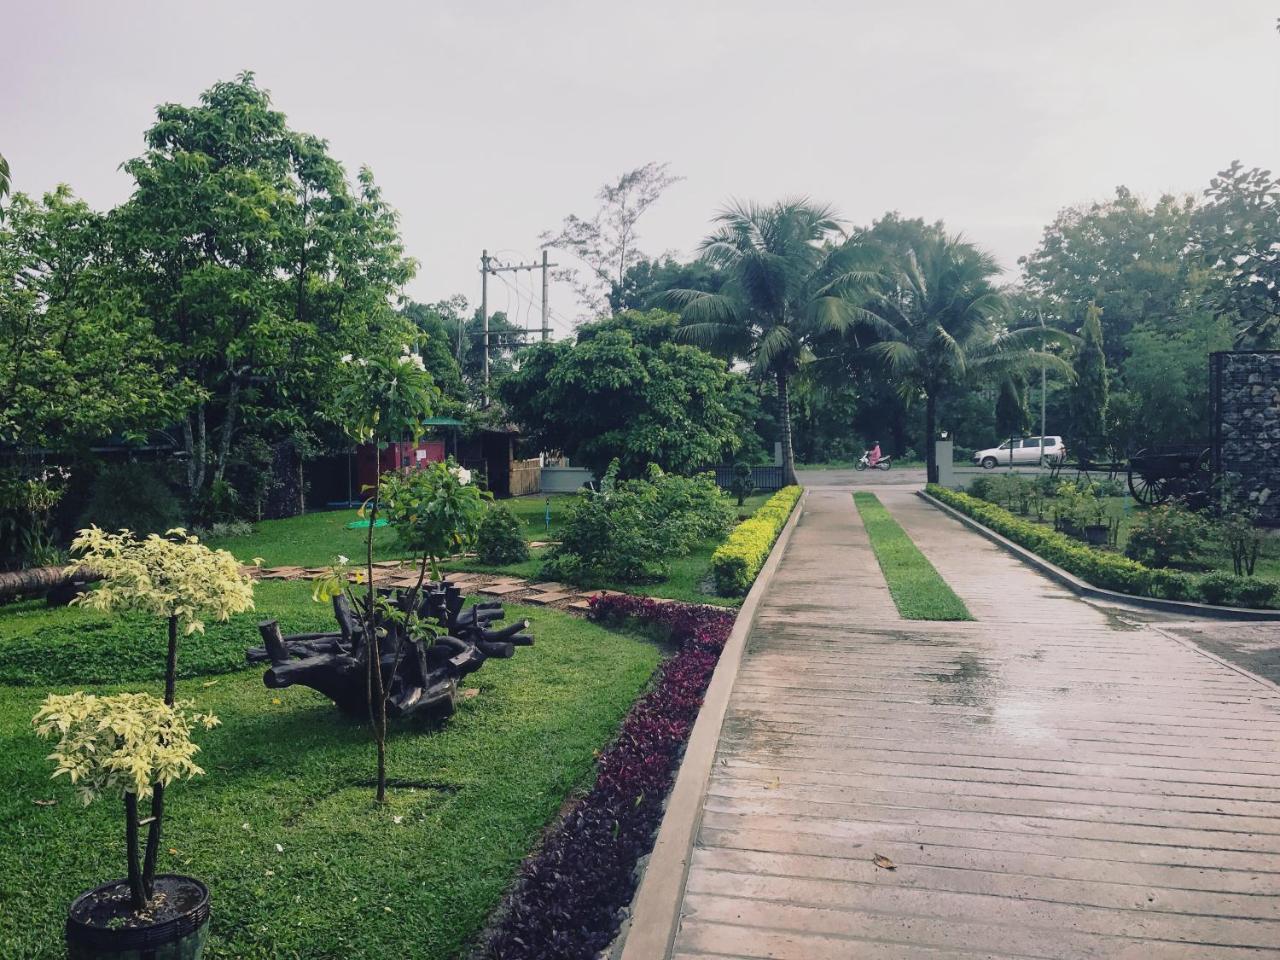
[[918, 590]]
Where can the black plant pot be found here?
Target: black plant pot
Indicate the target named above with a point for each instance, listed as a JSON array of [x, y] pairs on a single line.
[[102, 925], [1096, 534]]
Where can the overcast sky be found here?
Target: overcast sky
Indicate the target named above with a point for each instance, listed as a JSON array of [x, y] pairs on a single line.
[[486, 122]]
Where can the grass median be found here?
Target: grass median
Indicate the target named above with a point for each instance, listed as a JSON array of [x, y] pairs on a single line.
[[918, 589]]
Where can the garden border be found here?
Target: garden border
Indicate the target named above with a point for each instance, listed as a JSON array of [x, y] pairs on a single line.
[[1084, 589], [649, 932]]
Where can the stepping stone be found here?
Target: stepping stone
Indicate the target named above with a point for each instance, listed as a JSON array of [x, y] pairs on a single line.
[[388, 563], [502, 589], [544, 598], [549, 587], [580, 605]]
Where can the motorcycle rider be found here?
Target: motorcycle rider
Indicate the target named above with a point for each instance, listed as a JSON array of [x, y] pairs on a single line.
[[874, 455]]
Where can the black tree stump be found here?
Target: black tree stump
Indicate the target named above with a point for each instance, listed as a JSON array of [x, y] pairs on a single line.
[[419, 676]]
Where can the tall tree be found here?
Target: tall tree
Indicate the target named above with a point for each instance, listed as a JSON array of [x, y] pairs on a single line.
[[647, 280], [1238, 231], [625, 389], [1012, 414], [4, 181], [790, 278], [940, 322], [78, 358], [1089, 395], [606, 243], [258, 264]]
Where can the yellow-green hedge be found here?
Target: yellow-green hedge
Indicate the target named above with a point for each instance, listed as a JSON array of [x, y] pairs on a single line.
[[737, 561]]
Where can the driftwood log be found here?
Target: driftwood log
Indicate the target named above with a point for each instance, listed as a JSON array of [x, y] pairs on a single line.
[[55, 582], [419, 676]]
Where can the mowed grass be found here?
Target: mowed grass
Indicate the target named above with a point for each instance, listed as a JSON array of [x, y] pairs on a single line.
[[314, 539], [918, 590], [417, 878]]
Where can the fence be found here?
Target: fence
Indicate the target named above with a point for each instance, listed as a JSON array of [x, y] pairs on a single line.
[[768, 477], [526, 477]]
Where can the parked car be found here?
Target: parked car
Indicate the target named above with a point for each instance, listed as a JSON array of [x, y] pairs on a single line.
[[1027, 450]]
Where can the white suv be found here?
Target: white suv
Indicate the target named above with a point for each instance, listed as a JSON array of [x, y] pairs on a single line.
[[1022, 452]]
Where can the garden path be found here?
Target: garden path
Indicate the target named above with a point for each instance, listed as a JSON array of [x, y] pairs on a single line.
[[1050, 781]]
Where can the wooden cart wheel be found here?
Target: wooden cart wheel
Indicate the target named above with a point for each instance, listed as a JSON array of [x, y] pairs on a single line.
[[1148, 490]]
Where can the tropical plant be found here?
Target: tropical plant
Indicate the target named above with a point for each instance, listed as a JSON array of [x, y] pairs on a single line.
[[436, 511], [132, 745], [1089, 394], [176, 578], [499, 540], [940, 316], [790, 278], [27, 500], [1165, 534]]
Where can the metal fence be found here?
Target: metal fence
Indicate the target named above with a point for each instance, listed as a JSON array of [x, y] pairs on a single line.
[[767, 477]]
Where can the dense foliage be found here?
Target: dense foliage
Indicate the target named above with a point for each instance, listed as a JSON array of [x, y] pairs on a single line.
[[625, 390], [738, 560], [499, 539], [631, 530], [1165, 535], [569, 898]]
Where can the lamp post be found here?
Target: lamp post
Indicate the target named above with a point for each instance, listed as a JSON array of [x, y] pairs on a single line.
[[1040, 314]]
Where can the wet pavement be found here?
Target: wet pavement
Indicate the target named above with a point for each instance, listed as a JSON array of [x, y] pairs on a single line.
[[1053, 780]]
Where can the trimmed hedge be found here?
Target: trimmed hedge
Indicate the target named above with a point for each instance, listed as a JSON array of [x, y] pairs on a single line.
[[1111, 571], [737, 561]]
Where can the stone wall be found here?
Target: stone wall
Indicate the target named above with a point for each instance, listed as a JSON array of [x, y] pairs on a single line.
[[1246, 391]]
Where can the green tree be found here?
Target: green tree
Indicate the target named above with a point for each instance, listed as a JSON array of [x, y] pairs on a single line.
[[439, 339], [1089, 395], [258, 265], [941, 327], [625, 390], [1238, 232], [647, 280], [790, 279], [4, 182], [1012, 414], [78, 359]]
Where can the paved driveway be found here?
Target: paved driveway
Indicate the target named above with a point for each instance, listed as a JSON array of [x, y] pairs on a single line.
[[1050, 781]]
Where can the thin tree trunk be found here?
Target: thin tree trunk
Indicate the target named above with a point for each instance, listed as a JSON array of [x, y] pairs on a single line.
[[157, 795], [40, 580], [377, 699], [201, 451], [784, 415], [931, 431], [189, 447], [228, 428], [136, 891]]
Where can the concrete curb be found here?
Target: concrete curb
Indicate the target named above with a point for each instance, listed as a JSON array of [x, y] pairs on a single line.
[[655, 909], [1083, 589]]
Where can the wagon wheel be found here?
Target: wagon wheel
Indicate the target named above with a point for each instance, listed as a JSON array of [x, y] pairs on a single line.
[[1147, 489]]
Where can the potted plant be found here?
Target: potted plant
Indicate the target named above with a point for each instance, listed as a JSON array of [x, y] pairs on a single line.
[[135, 744]]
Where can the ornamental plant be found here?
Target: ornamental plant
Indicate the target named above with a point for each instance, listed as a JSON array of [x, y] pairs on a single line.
[[1165, 535], [499, 539], [380, 400], [738, 560], [136, 743], [131, 746]]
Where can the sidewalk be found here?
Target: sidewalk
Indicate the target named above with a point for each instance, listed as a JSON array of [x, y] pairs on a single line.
[[1048, 781]]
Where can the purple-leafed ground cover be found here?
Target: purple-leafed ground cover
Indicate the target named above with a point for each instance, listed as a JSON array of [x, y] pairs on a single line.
[[569, 900]]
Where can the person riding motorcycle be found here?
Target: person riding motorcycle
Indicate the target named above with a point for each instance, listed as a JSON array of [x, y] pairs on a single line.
[[874, 455]]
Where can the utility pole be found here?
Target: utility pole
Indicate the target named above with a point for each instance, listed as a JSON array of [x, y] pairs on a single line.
[[1043, 346], [487, 266]]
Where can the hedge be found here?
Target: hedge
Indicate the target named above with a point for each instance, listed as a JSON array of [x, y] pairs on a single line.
[[1111, 571], [737, 561]]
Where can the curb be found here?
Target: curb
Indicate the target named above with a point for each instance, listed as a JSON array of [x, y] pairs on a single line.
[[1083, 589], [655, 910]]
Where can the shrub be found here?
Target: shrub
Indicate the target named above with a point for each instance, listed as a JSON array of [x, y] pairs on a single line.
[[499, 540], [1256, 593], [737, 561], [742, 483], [130, 496], [1172, 585], [632, 529], [1165, 534], [1217, 588]]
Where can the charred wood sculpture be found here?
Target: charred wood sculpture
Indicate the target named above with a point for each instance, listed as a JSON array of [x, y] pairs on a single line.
[[420, 676]]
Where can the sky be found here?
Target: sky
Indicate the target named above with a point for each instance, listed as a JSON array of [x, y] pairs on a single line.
[[485, 123]]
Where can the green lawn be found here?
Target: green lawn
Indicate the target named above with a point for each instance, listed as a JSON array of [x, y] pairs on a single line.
[[918, 590], [418, 878], [314, 539]]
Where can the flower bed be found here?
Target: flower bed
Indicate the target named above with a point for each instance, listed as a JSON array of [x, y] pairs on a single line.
[[569, 899], [738, 560], [1111, 571]]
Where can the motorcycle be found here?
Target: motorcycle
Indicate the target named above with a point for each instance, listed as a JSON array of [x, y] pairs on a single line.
[[884, 463]]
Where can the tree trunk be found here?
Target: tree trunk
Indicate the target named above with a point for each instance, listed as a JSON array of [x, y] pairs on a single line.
[[784, 417], [930, 437], [15, 583], [228, 428], [138, 895], [373, 651]]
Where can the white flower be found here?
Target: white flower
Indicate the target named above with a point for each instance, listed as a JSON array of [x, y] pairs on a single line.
[[463, 475], [416, 360], [342, 559], [363, 362], [345, 358]]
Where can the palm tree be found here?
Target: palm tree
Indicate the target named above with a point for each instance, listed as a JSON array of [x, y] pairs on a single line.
[[790, 276], [940, 324]]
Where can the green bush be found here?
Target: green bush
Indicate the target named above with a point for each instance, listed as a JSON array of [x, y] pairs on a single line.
[[499, 540], [632, 529], [738, 560], [1165, 534], [1110, 571], [131, 496]]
